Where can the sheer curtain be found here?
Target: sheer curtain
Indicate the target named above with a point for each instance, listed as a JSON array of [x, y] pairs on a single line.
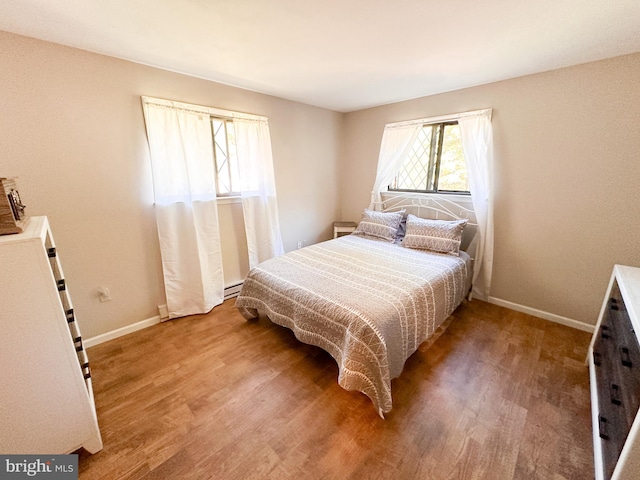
[[258, 189], [477, 144], [181, 150], [397, 139]]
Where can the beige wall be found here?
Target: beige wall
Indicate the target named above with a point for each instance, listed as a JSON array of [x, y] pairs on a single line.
[[567, 170], [72, 131]]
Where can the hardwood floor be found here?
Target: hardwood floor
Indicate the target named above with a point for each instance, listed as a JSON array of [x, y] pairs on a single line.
[[500, 395]]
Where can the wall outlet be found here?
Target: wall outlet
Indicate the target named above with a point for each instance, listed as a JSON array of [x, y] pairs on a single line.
[[302, 243]]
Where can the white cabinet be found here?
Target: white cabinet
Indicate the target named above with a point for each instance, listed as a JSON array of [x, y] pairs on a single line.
[[614, 371], [46, 398]]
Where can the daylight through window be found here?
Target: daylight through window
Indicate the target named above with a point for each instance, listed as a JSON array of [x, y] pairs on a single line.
[[224, 157], [435, 162]]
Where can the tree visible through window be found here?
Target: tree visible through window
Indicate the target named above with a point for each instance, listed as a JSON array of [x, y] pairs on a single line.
[[435, 163]]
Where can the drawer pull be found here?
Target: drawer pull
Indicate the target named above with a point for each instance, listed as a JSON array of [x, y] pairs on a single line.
[[625, 358], [615, 394], [597, 359], [602, 427]]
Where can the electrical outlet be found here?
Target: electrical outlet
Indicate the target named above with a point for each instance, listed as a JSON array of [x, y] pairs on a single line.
[[302, 243]]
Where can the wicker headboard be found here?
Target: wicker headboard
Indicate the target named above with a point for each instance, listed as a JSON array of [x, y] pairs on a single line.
[[437, 207]]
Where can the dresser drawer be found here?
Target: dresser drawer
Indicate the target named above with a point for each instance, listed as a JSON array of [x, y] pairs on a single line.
[[611, 426], [625, 359], [616, 358]]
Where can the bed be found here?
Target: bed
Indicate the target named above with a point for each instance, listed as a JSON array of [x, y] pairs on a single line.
[[368, 299]]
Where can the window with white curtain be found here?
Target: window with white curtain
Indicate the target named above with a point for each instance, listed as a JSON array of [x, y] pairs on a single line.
[[198, 154], [435, 162], [476, 139]]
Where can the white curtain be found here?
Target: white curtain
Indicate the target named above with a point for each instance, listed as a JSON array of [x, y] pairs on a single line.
[[477, 144], [397, 139], [258, 189], [181, 150]]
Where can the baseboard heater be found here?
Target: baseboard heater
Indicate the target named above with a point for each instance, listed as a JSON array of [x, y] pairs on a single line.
[[232, 291]]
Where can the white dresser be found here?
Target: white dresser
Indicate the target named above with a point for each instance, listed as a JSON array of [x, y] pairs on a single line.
[[46, 398], [614, 370]]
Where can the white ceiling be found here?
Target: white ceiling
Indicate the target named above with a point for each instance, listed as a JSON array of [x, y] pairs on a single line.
[[343, 55]]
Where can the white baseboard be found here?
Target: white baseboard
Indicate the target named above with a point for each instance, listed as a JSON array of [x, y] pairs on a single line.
[[119, 332], [569, 322], [229, 292]]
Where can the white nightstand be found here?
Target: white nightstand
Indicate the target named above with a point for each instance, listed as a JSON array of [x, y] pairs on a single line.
[[343, 228]]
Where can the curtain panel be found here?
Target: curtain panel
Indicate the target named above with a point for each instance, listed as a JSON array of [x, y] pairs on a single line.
[[477, 144], [396, 142], [258, 190], [181, 152]]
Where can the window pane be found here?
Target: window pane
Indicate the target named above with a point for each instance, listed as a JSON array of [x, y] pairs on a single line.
[[233, 159], [220, 156], [417, 171], [453, 169]]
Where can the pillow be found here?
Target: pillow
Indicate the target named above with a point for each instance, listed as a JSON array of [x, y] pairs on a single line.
[[383, 225], [441, 236]]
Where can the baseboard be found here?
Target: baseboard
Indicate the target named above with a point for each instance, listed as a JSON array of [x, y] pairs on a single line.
[[569, 322], [229, 292], [232, 291], [119, 332]]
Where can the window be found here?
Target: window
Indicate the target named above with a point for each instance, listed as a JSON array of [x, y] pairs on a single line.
[[435, 163], [224, 157]]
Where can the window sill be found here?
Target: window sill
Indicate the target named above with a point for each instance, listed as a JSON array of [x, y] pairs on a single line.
[[228, 200], [454, 197]]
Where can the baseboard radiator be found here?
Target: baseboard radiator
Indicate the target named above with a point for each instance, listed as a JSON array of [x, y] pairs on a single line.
[[232, 291]]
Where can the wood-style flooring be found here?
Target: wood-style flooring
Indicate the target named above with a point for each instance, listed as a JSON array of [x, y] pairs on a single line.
[[500, 395]]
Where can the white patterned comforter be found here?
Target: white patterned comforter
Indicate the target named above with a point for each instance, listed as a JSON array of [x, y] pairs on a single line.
[[368, 303]]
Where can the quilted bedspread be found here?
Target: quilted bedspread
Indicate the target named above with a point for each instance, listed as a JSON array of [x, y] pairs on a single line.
[[368, 303]]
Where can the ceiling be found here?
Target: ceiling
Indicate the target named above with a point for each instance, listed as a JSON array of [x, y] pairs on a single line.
[[343, 55]]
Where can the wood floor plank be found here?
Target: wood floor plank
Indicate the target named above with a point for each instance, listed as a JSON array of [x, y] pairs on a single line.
[[500, 395]]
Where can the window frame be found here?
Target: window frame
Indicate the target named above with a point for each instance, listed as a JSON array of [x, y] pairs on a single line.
[[434, 163]]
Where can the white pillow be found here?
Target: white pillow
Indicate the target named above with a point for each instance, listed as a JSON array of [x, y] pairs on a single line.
[[383, 225], [441, 236]]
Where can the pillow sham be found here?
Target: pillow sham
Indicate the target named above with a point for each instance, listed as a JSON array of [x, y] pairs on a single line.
[[383, 225], [440, 236]]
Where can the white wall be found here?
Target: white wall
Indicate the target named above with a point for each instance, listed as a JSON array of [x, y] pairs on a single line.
[[72, 131], [567, 168]]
